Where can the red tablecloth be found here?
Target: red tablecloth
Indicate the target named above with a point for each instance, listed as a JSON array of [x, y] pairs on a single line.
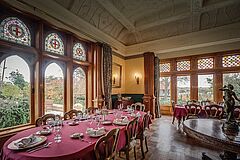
[[179, 112], [68, 149]]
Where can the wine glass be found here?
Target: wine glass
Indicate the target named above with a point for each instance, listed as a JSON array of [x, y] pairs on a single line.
[[57, 131]]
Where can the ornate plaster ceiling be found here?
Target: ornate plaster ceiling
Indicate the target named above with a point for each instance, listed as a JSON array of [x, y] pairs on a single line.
[[137, 26], [137, 21]]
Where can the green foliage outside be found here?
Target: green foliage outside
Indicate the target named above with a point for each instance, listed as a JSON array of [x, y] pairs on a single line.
[[14, 102]]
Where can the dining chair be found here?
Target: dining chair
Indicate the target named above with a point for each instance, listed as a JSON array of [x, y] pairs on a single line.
[[138, 106], [105, 148], [214, 111], [193, 110], [141, 135], [42, 120], [70, 114], [131, 135]]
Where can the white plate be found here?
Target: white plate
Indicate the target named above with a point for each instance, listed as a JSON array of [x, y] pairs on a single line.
[[97, 135], [39, 140], [76, 135], [106, 122], [44, 132], [120, 123]]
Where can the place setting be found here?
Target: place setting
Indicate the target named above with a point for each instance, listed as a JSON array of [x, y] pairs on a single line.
[[121, 121], [29, 142]]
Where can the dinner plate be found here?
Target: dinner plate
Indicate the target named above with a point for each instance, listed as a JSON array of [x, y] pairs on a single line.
[[39, 140], [44, 132], [96, 135], [120, 123], [76, 135], [106, 122]]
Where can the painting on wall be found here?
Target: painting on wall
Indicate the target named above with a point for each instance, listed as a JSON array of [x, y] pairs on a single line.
[[116, 75]]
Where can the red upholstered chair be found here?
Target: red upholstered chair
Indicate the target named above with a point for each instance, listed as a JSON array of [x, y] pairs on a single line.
[[43, 120], [214, 111], [193, 110], [237, 113], [131, 135], [105, 148], [138, 106], [142, 132]]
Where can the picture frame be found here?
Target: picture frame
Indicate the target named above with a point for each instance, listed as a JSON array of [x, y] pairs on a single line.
[[116, 75]]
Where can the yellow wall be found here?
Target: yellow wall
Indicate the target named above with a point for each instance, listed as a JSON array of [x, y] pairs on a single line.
[[122, 63], [134, 66]]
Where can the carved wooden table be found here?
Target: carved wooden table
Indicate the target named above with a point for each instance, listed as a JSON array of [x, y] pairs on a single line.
[[209, 131]]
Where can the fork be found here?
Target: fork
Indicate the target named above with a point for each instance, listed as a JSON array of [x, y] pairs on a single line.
[[39, 148]]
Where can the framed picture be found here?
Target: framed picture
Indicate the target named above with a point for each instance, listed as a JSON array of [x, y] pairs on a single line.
[[116, 75]]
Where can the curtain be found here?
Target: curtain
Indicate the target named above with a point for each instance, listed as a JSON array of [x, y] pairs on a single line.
[[107, 75], [157, 86]]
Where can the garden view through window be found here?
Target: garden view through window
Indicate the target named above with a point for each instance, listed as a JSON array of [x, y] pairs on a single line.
[[183, 89], [234, 79], [14, 92], [205, 87], [54, 89], [79, 89], [165, 90]]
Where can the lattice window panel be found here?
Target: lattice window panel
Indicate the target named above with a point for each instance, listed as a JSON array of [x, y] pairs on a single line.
[[165, 67], [183, 65], [231, 61], [205, 63]]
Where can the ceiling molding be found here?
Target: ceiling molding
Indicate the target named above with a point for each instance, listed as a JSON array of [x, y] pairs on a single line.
[[117, 14], [187, 41]]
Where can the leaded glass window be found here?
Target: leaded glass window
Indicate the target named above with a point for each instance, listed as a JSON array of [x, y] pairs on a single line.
[[79, 52], [231, 61], [165, 67], [14, 30], [205, 63], [183, 65], [54, 44]]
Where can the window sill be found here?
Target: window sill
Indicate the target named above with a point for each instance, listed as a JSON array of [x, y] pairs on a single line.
[[12, 131]]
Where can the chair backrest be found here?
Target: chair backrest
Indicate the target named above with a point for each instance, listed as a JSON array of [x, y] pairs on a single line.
[[70, 114], [237, 112], [138, 106], [193, 109], [193, 102], [42, 120], [144, 125], [214, 111], [131, 132], [105, 148]]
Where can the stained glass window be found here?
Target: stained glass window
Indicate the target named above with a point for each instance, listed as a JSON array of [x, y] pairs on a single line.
[[79, 52], [205, 63], [183, 65], [165, 67], [231, 61], [14, 30], [54, 44]]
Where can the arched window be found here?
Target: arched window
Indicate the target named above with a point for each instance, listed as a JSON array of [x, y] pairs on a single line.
[[14, 30], [54, 89], [15, 93], [54, 44], [79, 52], [79, 89]]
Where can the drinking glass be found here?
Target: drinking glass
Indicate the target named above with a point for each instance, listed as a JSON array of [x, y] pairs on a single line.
[[57, 129]]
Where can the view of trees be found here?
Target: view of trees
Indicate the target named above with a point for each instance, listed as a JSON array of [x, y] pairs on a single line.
[[14, 100], [205, 87], [165, 95]]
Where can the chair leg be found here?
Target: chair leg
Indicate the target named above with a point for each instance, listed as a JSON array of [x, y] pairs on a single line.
[[119, 154], [127, 154], [146, 144], [134, 153], [141, 143]]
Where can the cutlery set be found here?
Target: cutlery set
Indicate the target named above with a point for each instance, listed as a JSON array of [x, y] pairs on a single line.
[[37, 148]]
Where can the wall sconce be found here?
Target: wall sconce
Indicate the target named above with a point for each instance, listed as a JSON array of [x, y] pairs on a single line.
[[137, 78]]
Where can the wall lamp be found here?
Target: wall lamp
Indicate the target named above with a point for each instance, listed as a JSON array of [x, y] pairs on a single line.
[[137, 78]]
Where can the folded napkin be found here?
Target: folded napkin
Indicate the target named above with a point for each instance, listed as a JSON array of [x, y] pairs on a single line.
[[26, 141], [125, 120], [99, 131], [138, 114]]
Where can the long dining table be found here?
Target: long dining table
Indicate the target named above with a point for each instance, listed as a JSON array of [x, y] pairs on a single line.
[[68, 148]]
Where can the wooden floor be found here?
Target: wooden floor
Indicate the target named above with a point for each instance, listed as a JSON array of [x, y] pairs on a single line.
[[168, 142]]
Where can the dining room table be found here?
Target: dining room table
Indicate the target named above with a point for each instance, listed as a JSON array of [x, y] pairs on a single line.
[[179, 113], [69, 148]]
